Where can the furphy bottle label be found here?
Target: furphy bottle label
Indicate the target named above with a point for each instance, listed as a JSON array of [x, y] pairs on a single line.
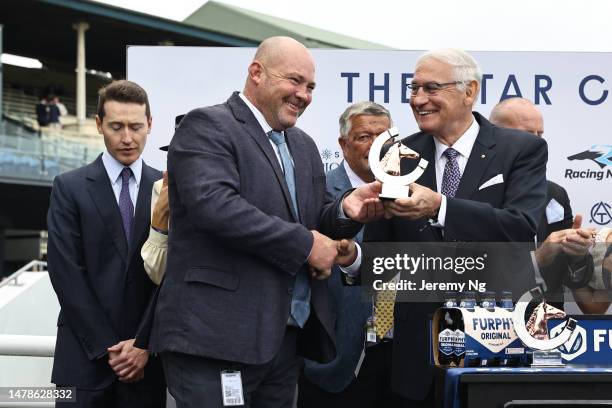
[[493, 330], [446, 342]]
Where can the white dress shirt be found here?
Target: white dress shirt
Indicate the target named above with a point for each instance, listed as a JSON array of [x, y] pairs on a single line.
[[265, 126], [464, 146]]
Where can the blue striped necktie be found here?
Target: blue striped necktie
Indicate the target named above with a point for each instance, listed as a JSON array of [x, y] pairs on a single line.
[[126, 207], [300, 302]]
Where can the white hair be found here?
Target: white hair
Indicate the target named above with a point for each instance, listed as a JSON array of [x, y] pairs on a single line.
[[465, 67], [360, 108]]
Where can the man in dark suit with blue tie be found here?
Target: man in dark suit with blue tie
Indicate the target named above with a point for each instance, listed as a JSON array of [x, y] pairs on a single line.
[[245, 291], [483, 184], [98, 220], [359, 376]]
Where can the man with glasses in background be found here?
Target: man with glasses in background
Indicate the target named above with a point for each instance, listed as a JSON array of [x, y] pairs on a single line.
[[359, 376], [483, 184]]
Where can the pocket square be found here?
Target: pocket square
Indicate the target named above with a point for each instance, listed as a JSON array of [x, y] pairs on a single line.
[[492, 181], [554, 211]]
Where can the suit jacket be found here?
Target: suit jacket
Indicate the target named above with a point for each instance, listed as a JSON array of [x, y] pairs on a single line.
[[235, 245], [350, 310], [557, 193], [99, 279], [503, 212], [554, 273]]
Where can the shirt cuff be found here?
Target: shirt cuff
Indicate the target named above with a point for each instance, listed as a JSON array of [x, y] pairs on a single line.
[[352, 270], [539, 279], [441, 214], [157, 238]]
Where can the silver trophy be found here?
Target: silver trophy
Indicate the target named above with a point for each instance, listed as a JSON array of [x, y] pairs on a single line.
[[388, 169], [545, 353]]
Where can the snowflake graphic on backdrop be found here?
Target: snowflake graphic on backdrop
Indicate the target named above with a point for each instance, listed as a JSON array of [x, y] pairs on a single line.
[[326, 154]]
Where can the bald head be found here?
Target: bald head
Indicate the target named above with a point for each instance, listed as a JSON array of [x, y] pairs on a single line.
[[280, 81], [274, 49], [518, 113]]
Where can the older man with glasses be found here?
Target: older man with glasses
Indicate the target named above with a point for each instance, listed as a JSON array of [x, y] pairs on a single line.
[[483, 184]]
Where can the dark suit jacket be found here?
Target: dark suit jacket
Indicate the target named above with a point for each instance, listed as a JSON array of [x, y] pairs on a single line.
[[350, 310], [554, 273], [558, 193], [505, 212], [235, 245], [100, 281]]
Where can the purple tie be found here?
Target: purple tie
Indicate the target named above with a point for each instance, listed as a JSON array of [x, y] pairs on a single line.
[[452, 175], [126, 207]]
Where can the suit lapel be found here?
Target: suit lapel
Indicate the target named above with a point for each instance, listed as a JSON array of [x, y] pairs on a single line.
[[103, 197], [340, 181], [483, 154], [426, 148], [303, 172], [243, 114]]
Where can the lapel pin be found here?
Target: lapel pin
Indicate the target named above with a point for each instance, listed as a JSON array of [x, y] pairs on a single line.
[[482, 156]]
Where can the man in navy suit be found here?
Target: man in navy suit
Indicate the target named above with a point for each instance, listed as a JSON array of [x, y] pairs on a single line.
[[245, 291], [482, 184], [563, 245], [98, 220], [358, 376]]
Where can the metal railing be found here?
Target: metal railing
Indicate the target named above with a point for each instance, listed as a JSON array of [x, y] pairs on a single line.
[[33, 158], [32, 266], [26, 345]]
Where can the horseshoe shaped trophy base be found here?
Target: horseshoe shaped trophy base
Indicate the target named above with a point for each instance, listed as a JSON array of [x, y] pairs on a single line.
[[544, 353], [393, 186]]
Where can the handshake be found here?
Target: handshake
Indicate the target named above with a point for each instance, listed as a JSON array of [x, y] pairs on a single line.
[[327, 252], [364, 205]]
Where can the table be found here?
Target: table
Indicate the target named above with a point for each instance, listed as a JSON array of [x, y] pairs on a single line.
[[495, 386]]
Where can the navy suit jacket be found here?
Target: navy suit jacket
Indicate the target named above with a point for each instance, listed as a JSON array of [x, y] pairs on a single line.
[[554, 273], [100, 281], [504, 212], [235, 245], [559, 194], [350, 310]]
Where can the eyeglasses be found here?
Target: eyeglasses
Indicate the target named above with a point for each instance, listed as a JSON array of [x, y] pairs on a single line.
[[431, 88]]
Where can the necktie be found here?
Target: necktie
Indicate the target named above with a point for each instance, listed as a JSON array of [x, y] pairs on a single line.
[[452, 175], [126, 207], [383, 311], [279, 140], [300, 302]]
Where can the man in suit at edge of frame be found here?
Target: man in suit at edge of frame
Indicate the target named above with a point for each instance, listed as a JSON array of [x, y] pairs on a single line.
[[98, 220]]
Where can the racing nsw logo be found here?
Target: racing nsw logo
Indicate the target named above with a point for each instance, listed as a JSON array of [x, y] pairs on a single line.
[[599, 154], [575, 346]]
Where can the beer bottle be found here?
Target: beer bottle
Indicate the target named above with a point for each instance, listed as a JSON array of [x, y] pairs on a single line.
[[487, 301], [507, 303], [446, 336]]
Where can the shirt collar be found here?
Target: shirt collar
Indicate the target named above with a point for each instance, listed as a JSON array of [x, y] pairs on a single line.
[[258, 115], [355, 180], [463, 145], [114, 168]]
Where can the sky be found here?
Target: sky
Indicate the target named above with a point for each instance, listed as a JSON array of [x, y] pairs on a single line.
[[474, 25]]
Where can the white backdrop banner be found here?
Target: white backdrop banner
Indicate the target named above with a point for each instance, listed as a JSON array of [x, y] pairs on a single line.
[[571, 89]]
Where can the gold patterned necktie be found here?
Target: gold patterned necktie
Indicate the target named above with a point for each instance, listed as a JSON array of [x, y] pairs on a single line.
[[383, 311]]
